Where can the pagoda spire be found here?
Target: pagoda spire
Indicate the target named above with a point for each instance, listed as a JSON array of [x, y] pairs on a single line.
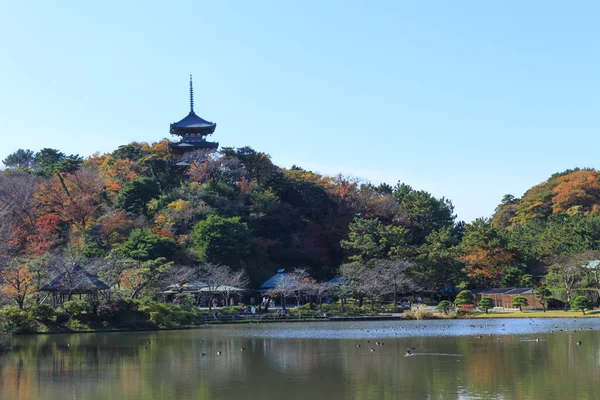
[[191, 95]]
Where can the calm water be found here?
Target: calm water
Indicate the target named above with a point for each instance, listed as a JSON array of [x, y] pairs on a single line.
[[314, 361]]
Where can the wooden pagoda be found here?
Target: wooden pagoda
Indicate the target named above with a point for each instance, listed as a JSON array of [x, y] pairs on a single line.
[[192, 131]]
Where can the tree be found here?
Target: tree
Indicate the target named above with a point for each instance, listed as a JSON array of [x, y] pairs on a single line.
[[220, 279], [511, 277], [463, 298], [520, 301], [568, 271], [437, 263], [20, 159], [396, 273], [143, 244], [485, 304], [445, 306], [221, 240], [136, 194], [17, 282], [543, 294], [370, 239], [74, 197], [527, 281], [421, 213], [581, 303]]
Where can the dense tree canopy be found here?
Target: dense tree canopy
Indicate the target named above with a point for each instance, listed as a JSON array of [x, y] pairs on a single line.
[[234, 207]]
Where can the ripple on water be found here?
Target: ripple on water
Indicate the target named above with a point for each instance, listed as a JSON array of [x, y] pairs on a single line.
[[399, 329]]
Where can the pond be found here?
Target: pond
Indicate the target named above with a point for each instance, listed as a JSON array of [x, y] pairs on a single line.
[[456, 359]]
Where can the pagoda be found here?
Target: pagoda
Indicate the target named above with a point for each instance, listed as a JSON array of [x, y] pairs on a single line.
[[192, 130]]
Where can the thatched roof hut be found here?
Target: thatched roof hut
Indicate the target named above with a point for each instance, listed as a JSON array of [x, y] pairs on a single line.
[[75, 280]]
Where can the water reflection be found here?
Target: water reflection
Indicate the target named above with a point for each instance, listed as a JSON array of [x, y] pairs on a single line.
[[452, 359]]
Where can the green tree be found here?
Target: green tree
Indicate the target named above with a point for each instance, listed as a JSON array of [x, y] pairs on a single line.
[[520, 302], [438, 265], [543, 294], [370, 239], [463, 298], [581, 303], [527, 281], [485, 304], [445, 306], [136, 194], [221, 240], [20, 159], [143, 244], [421, 213], [511, 277]]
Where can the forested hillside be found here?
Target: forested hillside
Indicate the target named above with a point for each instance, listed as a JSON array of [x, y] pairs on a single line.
[[135, 208]]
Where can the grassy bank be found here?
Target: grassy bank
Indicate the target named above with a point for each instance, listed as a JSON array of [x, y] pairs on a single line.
[[540, 314]]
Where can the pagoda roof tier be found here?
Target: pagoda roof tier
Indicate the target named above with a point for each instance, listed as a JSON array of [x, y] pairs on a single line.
[[192, 124], [190, 146]]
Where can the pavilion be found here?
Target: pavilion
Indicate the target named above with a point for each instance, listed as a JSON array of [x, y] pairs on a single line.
[[74, 281]]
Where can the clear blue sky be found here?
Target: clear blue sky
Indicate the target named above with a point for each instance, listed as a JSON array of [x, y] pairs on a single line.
[[468, 100]]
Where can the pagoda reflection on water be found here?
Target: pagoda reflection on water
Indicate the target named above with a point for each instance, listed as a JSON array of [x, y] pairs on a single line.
[[193, 131]]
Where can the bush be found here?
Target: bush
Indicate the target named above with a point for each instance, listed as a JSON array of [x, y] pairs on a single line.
[[76, 325], [231, 310], [62, 318], [167, 315], [187, 302], [42, 312], [485, 304], [464, 297], [445, 306], [466, 309], [91, 306], [74, 308], [15, 320], [581, 303]]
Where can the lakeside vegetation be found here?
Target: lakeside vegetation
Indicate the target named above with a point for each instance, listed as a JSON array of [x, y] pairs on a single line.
[[142, 223]]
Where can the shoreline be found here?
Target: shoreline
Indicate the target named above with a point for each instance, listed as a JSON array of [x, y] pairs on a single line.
[[508, 315]]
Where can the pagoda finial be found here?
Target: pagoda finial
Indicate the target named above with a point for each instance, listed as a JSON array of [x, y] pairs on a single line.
[[191, 95]]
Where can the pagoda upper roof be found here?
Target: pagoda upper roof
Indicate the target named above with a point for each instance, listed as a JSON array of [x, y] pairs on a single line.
[[192, 123]]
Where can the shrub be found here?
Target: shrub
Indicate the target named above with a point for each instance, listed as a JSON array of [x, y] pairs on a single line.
[[466, 309], [167, 315], [423, 314], [520, 302], [76, 325], [42, 312], [445, 306], [464, 297], [62, 318], [16, 320], [187, 302], [231, 310], [581, 303], [74, 308], [91, 306], [485, 304]]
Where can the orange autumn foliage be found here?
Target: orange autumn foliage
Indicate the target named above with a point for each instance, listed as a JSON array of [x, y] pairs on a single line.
[[75, 200], [579, 189], [47, 228], [487, 263], [115, 172], [17, 282]]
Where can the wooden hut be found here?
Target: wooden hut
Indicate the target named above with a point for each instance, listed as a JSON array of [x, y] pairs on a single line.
[[74, 281], [503, 297]]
